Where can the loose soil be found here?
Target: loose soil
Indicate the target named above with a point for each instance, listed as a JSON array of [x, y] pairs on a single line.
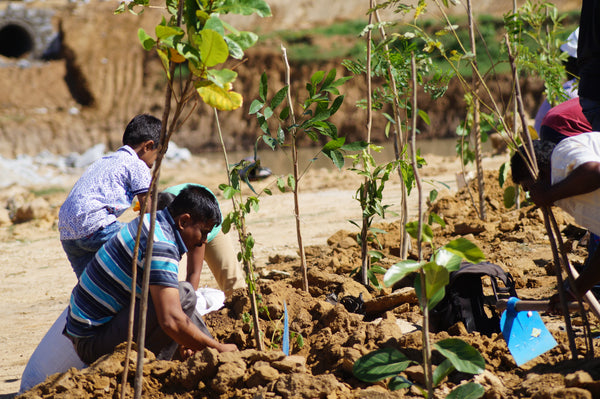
[[37, 287]]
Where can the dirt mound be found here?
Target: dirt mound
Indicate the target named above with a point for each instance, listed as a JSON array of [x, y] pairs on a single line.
[[327, 338]]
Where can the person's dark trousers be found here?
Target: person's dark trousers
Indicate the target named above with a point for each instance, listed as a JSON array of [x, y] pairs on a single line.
[[157, 341], [591, 110]]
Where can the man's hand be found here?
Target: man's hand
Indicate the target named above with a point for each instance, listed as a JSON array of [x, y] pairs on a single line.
[[539, 193], [227, 348]]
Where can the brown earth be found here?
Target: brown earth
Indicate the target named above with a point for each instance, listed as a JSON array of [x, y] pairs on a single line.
[[103, 78], [333, 338]]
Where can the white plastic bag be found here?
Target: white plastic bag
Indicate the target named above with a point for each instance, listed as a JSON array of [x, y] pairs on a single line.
[[54, 354]]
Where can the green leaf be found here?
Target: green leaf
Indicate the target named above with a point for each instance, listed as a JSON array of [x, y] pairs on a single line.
[[380, 364], [255, 106], [229, 192], [244, 40], [412, 228], [246, 7], [398, 382], [503, 175], [470, 390], [279, 97], [463, 356], [424, 116], [214, 23], [270, 141], [355, 146], [262, 89], [148, 42], [291, 181], [465, 249], [509, 196], [435, 218], [436, 278], [317, 77], [399, 270], [433, 195], [213, 48], [285, 112], [221, 77], [235, 51], [164, 33], [281, 184], [448, 259], [442, 371]]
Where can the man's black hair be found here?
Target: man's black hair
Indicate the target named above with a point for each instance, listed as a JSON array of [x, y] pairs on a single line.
[[142, 128], [543, 154], [164, 199], [200, 203]]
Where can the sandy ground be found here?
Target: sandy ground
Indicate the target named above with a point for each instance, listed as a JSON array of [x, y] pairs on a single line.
[[36, 278]]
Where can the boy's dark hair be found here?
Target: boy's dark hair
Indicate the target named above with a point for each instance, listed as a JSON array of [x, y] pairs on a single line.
[[142, 128], [198, 202], [543, 154]]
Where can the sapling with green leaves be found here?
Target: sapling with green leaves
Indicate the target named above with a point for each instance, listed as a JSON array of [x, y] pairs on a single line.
[[322, 100], [370, 197], [190, 34]]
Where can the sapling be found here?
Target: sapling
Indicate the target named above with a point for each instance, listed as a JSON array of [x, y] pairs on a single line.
[[192, 34], [322, 101]]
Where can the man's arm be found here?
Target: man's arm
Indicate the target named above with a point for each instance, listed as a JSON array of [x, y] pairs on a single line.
[[195, 260], [584, 179], [177, 325]]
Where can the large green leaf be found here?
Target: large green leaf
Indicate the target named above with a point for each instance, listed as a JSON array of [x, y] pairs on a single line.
[[244, 39], [436, 278], [466, 249], [470, 390], [380, 364], [399, 270], [219, 98], [235, 51], [447, 259], [463, 356], [246, 7], [213, 48], [164, 33], [412, 228]]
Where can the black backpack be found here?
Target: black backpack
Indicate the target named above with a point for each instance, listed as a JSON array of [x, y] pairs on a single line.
[[464, 300]]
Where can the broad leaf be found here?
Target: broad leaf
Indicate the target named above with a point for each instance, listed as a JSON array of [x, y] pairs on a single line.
[[380, 364], [246, 7], [436, 278], [399, 270], [221, 77], [470, 390], [508, 197], [447, 259], [243, 39], [214, 23], [463, 356], [465, 249], [412, 228], [220, 98], [213, 48], [148, 42], [442, 371], [255, 106]]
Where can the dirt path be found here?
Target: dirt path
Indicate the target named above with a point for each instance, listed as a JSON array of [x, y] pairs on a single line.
[[36, 279]]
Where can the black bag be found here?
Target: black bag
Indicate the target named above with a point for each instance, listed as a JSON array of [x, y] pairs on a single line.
[[464, 300]]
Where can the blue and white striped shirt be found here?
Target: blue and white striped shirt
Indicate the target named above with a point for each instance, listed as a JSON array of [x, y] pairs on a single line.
[[104, 191], [105, 286]]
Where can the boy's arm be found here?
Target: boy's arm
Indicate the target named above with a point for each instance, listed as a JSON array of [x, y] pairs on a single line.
[[195, 261], [175, 323], [582, 180]]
